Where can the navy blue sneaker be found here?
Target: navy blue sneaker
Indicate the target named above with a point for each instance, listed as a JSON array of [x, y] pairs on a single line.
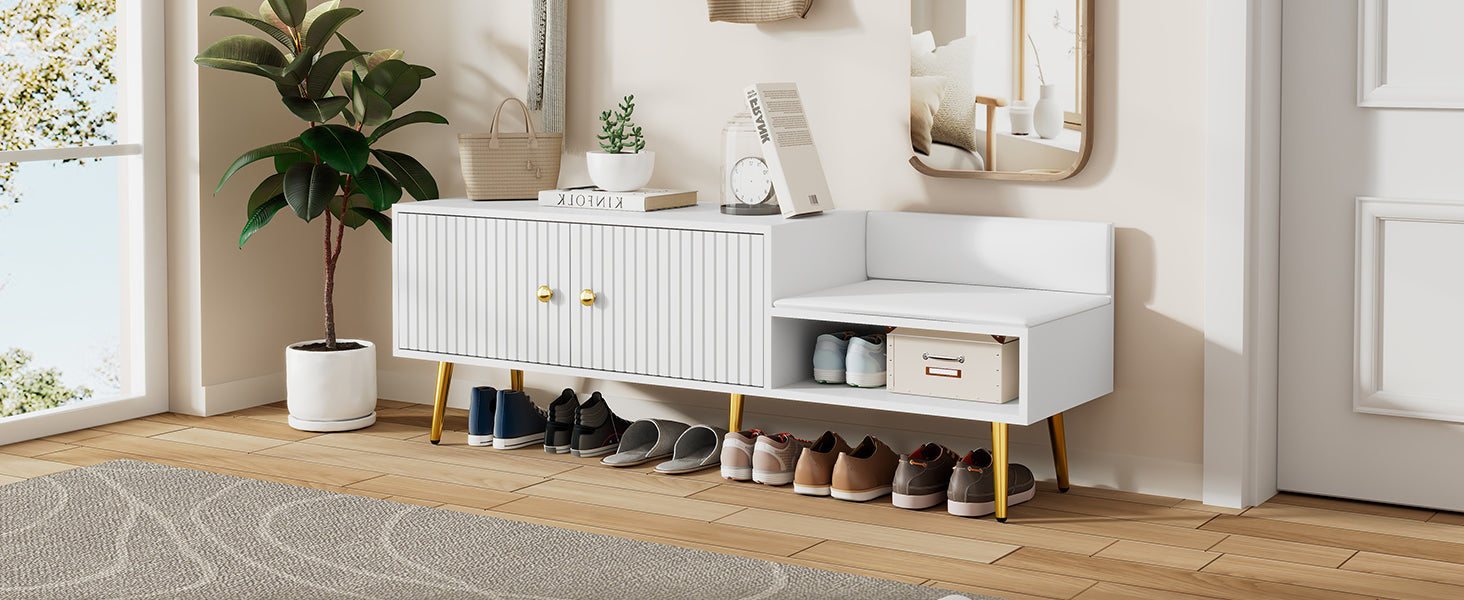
[[517, 422], [596, 428], [480, 416], [561, 422]]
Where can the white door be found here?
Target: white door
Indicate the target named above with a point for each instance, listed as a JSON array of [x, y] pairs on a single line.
[[1372, 251]]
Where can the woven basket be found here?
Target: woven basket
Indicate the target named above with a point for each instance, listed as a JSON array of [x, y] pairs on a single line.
[[510, 166]]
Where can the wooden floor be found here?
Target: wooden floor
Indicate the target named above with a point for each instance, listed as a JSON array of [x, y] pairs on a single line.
[[1088, 544]]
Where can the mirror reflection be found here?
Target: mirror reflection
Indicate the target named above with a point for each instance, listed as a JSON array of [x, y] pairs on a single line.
[[998, 87]]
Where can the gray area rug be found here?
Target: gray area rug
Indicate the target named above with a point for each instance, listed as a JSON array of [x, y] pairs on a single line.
[[129, 529]]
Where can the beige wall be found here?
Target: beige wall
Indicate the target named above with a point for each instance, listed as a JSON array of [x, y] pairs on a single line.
[[850, 61]]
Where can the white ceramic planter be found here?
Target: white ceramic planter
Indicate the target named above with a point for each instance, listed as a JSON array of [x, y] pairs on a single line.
[[620, 172], [1047, 115], [331, 391]]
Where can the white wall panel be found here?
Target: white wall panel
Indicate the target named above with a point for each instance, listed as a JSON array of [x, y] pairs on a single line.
[[1409, 54]]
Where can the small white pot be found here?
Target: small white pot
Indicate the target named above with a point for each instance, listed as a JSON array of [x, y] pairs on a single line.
[[620, 172], [331, 391], [1047, 115]]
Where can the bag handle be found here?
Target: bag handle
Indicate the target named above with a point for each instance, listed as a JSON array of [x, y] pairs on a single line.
[[528, 124]]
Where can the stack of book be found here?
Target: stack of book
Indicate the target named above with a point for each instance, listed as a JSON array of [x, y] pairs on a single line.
[[591, 197]]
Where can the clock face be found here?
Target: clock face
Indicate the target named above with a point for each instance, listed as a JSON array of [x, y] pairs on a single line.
[[750, 181]]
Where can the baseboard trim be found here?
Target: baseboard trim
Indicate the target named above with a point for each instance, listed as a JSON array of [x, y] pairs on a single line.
[[240, 394]]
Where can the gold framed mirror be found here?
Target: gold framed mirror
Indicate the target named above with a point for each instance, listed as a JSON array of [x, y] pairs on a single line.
[[1001, 89]]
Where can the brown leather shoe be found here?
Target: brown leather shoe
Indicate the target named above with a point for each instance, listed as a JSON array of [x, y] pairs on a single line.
[[865, 473], [816, 464]]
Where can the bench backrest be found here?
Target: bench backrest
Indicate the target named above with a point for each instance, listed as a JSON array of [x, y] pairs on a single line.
[[1041, 254]]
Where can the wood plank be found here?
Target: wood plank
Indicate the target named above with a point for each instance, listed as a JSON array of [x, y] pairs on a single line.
[[34, 448], [229, 459], [869, 535], [671, 506], [953, 570], [1381, 586], [407, 467], [1358, 522], [687, 530], [26, 467], [1163, 556], [394, 429], [1353, 506], [139, 428], [383, 404], [1201, 506], [220, 439], [416, 501], [630, 480], [1411, 568], [1121, 509], [82, 456], [1117, 591], [256, 427], [71, 437], [1447, 518], [1164, 578], [1338, 538], [1108, 527], [1109, 494], [263, 413], [986, 591], [881, 512], [482, 458], [436, 491], [6, 479], [1307, 554]]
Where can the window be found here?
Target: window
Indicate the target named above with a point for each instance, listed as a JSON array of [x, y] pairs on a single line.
[[1046, 47], [80, 214]]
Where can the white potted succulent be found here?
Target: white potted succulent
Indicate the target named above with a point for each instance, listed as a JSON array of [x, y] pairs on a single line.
[[326, 173], [625, 165]]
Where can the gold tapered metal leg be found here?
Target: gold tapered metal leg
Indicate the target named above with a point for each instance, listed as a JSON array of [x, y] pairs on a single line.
[[734, 414], [439, 402], [999, 462], [516, 380], [1059, 450]]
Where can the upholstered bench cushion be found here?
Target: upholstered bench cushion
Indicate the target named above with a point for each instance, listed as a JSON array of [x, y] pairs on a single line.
[[947, 302]]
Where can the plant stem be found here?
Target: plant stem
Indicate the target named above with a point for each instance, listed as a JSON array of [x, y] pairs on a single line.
[[330, 336]]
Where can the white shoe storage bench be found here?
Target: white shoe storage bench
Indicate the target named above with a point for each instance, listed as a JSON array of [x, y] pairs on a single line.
[[692, 298]]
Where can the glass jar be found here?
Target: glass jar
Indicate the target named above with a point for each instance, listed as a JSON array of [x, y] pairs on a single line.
[[747, 184]]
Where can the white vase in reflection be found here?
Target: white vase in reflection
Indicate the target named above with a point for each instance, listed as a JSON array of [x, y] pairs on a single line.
[[1047, 116]]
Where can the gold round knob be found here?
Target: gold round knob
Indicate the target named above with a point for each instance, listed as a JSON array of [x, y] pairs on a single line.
[[545, 293], [587, 298]]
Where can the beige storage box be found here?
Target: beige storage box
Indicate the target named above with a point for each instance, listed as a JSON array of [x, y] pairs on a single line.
[[964, 366]]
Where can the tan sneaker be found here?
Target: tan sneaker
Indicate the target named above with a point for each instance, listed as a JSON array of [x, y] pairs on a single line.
[[865, 473], [775, 457], [737, 454], [816, 465]]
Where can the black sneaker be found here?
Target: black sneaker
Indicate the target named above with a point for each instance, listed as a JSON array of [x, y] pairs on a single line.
[[480, 416], [561, 422], [596, 428]]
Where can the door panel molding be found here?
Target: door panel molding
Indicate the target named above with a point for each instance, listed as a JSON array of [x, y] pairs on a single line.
[[1375, 87]]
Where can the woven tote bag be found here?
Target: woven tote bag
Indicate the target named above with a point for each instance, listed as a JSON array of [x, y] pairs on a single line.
[[510, 166]]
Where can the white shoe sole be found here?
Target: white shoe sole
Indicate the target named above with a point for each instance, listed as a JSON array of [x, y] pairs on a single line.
[[557, 449], [811, 490], [918, 502], [593, 452], [480, 440], [981, 509], [866, 380], [772, 477], [828, 375], [736, 473], [863, 496], [518, 442]]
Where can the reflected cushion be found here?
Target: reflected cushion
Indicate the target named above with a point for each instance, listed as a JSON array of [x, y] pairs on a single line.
[[924, 103], [955, 121]]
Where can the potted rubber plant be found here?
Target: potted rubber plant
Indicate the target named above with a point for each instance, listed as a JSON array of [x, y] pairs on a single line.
[[625, 165], [334, 172]]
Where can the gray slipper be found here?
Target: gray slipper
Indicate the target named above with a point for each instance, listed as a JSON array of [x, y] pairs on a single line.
[[699, 448], [644, 441]]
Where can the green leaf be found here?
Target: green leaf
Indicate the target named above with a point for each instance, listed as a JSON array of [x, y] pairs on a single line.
[[283, 162], [381, 56], [383, 222], [412, 176], [315, 13], [258, 154], [325, 70], [339, 146], [244, 54], [379, 187], [424, 72], [352, 218], [292, 12], [360, 66], [326, 25], [316, 111], [258, 23], [260, 216], [368, 105], [272, 186], [394, 80], [309, 188], [420, 116]]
